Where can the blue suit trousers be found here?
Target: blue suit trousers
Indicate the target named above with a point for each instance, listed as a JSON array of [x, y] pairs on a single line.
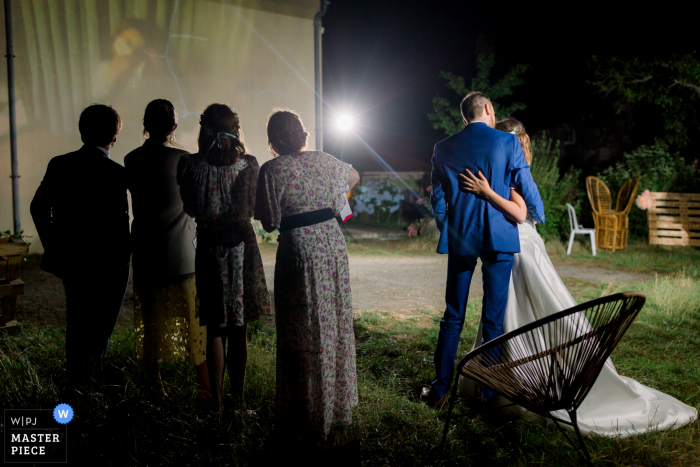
[[496, 269]]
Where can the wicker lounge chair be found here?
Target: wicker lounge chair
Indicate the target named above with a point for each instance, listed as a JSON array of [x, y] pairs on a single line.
[[552, 363], [612, 225]]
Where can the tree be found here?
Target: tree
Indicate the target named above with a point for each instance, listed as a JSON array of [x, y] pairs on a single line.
[[673, 85], [556, 189], [447, 115]]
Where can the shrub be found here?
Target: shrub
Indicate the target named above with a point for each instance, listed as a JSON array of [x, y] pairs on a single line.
[[555, 190], [378, 202], [658, 170], [270, 237]]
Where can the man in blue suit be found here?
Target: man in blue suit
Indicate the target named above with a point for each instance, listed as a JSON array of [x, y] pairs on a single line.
[[471, 228]]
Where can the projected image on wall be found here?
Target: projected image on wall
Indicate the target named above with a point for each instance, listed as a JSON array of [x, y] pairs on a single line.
[[72, 53]]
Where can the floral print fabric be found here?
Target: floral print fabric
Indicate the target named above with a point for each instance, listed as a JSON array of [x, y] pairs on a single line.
[[231, 288], [316, 375]]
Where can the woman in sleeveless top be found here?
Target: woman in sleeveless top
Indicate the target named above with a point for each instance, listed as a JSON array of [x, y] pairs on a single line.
[[162, 233], [218, 186], [616, 405], [299, 192]]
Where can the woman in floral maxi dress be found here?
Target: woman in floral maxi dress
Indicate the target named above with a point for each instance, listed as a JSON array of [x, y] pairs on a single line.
[[316, 381], [217, 186]]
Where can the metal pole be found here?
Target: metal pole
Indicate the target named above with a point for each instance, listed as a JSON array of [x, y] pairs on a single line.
[[318, 31], [13, 124]]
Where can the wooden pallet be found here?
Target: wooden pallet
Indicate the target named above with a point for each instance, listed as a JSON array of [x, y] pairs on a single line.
[[11, 286], [674, 219]]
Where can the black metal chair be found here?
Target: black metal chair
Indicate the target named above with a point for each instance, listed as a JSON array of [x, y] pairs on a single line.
[[552, 363]]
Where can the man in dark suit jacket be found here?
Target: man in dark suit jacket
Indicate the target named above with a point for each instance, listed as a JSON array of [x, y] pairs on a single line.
[[82, 216], [471, 228]]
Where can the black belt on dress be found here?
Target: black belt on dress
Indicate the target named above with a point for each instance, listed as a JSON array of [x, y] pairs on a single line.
[[306, 219]]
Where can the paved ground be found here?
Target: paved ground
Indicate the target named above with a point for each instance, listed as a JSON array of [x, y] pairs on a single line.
[[398, 284]]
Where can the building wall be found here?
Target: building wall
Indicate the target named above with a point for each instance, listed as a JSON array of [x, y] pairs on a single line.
[[252, 55]]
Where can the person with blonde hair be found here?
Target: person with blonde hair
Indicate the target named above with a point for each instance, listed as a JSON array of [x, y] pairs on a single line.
[[299, 193], [511, 125], [616, 405]]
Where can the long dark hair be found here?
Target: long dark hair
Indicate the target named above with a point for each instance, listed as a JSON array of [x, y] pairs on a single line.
[[217, 122], [286, 131], [160, 121]]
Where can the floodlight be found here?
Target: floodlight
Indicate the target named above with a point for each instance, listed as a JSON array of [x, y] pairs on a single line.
[[344, 122]]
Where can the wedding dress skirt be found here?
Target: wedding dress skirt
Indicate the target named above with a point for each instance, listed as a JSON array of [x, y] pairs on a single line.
[[616, 405]]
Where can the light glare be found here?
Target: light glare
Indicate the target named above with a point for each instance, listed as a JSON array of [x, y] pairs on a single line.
[[345, 122]]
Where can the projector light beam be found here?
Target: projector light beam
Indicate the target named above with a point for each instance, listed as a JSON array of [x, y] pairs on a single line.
[[166, 56]]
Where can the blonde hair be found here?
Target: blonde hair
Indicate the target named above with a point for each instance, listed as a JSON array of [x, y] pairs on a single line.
[[511, 125]]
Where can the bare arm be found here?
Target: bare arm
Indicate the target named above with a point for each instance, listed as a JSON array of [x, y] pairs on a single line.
[[354, 178], [515, 198], [266, 205], [514, 209]]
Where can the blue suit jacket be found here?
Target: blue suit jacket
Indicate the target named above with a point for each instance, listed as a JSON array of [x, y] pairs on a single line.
[[468, 224]]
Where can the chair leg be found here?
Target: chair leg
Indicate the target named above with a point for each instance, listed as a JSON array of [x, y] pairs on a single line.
[[572, 415], [593, 242], [571, 242], [453, 398]]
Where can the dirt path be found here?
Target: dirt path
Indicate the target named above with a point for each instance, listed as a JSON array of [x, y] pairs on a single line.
[[404, 284], [398, 284]]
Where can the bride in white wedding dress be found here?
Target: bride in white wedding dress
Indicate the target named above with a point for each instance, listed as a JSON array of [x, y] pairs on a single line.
[[616, 405]]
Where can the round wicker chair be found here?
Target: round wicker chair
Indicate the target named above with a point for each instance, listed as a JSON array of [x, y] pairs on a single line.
[[612, 225], [552, 363]]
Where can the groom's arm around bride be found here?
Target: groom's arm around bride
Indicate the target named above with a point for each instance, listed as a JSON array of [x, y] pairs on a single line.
[[472, 229]]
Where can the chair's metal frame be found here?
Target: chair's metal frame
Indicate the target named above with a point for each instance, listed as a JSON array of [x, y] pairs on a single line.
[[628, 310]]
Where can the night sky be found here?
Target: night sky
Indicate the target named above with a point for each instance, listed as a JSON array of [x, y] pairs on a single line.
[[382, 62]]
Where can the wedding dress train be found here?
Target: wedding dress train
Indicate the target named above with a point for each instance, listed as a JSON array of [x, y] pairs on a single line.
[[616, 405]]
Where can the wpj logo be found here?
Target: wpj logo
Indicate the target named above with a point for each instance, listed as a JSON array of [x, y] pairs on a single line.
[[63, 413], [37, 435]]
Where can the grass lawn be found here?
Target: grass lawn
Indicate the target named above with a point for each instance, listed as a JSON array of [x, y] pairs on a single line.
[[394, 356], [638, 256]]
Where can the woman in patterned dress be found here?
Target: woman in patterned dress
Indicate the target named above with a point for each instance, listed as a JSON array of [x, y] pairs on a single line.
[[164, 284], [316, 380], [217, 186]]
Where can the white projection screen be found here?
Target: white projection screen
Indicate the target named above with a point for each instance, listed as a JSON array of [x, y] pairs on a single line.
[[252, 55]]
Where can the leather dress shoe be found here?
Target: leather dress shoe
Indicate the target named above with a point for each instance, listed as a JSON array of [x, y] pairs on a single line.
[[429, 396]]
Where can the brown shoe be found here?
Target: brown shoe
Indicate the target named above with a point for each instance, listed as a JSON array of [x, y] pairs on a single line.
[[429, 396]]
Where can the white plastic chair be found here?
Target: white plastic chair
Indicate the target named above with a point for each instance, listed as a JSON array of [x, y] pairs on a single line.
[[578, 229]]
